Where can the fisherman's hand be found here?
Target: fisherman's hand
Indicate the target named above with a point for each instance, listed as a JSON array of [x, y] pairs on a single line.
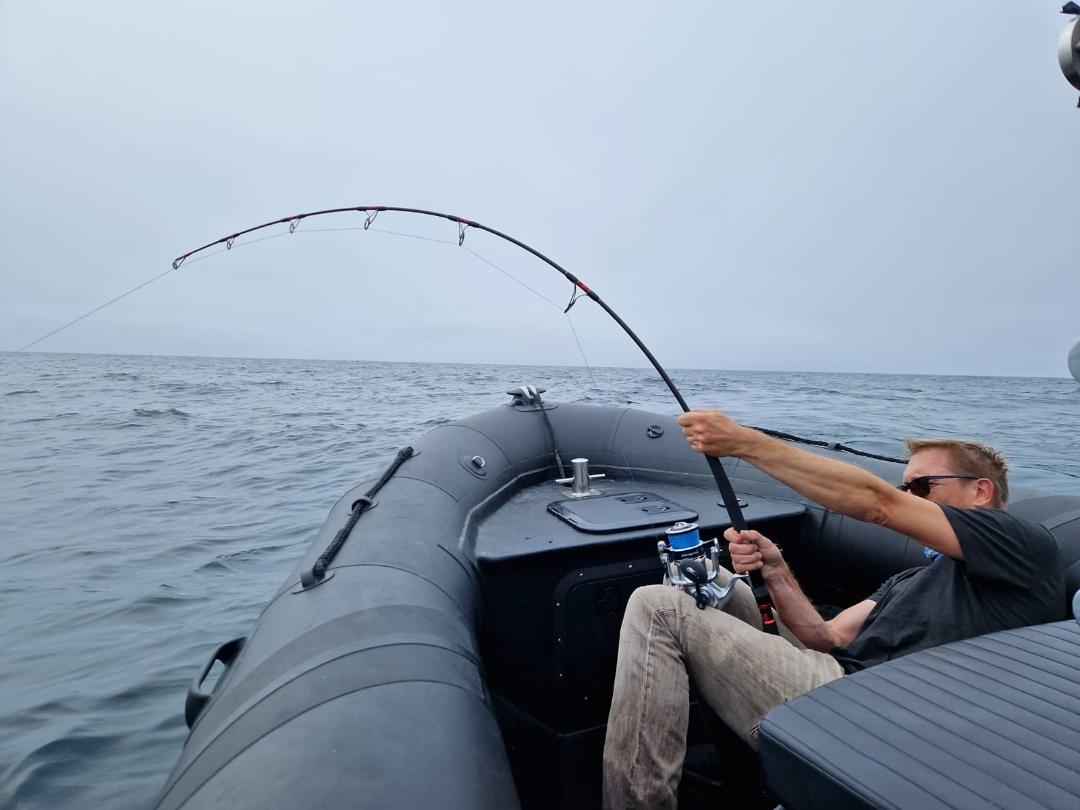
[[714, 433], [753, 551]]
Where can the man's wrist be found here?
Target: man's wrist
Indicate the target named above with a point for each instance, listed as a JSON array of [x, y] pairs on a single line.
[[776, 574], [750, 443], [744, 446]]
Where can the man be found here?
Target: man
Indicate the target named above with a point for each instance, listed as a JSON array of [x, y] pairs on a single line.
[[993, 571]]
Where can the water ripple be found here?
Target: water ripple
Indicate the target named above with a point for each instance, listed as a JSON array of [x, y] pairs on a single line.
[[150, 412]]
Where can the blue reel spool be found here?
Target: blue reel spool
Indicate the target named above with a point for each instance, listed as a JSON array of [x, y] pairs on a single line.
[[683, 536]]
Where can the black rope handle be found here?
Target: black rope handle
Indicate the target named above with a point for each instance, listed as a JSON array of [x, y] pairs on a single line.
[[315, 574], [838, 446], [551, 432]]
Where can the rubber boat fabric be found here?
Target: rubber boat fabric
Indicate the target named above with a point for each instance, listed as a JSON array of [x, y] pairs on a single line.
[[459, 647]]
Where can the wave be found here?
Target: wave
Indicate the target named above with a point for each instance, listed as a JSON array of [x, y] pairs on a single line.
[[49, 775], [21, 391], [150, 412], [214, 565], [191, 388], [441, 420], [64, 415]]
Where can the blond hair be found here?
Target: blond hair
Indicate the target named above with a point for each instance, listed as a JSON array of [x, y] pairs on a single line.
[[971, 458]]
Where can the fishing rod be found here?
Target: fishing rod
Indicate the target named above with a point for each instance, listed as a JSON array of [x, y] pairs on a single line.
[[727, 493]]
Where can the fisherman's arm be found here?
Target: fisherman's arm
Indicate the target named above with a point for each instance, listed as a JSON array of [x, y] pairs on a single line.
[[751, 550], [837, 486]]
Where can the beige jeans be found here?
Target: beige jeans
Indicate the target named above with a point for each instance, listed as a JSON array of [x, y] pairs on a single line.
[[740, 671]]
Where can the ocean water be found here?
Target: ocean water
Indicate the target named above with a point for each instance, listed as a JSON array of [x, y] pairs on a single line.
[[149, 507]]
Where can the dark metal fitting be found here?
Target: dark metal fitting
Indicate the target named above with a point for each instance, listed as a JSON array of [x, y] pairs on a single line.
[[363, 501]]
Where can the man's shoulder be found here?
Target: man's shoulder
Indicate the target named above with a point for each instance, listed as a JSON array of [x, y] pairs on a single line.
[[993, 518], [988, 520]]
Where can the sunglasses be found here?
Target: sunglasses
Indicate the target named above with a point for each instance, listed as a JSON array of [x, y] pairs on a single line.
[[921, 486]]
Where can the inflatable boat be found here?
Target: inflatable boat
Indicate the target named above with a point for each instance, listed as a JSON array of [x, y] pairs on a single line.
[[449, 641]]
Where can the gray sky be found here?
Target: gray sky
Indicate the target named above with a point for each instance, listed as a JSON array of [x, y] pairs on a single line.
[[830, 186]]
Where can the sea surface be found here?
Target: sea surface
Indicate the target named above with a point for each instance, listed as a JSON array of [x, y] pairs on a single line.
[[150, 506]]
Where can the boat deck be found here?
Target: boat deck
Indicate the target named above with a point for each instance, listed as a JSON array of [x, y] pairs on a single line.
[[524, 526]]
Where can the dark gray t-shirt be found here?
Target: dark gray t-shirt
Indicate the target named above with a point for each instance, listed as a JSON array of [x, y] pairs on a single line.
[[1011, 576]]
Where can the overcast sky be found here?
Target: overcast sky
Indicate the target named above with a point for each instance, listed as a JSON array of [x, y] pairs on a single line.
[[853, 186]]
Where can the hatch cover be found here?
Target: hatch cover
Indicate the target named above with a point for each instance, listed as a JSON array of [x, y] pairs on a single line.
[[620, 512]]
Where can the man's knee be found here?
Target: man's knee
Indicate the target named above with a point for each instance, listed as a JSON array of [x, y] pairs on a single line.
[[648, 599]]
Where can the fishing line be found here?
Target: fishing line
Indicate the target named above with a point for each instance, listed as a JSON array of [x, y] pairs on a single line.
[[596, 389], [94, 310], [211, 255], [231, 246], [377, 230], [522, 283], [565, 313], [437, 240], [234, 246], [450, 242], [412, 236], [135, 289]]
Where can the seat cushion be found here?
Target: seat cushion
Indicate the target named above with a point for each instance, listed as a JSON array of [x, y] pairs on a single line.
[[992, 721]]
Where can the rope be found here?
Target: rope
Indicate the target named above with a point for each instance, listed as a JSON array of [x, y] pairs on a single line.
[[551, 431], [315, 574], [843, 448]]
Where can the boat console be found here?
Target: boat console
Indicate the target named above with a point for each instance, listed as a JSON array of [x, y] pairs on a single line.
[[555, 592], [557, 574]]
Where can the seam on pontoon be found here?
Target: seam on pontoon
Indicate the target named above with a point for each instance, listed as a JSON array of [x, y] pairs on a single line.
[[289, 720], [288, 590], [238, 715]]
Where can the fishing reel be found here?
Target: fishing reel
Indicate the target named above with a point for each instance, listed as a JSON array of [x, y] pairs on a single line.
[[693, 565]]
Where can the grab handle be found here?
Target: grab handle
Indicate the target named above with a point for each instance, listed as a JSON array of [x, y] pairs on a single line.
[[196, 698]]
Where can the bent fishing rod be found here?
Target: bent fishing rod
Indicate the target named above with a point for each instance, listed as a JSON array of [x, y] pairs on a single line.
[[727, 493]]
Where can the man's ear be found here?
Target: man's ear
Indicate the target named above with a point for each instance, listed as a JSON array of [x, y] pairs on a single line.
[[984, 492]]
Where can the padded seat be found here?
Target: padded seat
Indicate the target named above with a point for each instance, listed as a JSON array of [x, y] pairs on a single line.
[[992, 721]]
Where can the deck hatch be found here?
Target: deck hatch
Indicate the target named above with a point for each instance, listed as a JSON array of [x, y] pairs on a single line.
[[620, 512]]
